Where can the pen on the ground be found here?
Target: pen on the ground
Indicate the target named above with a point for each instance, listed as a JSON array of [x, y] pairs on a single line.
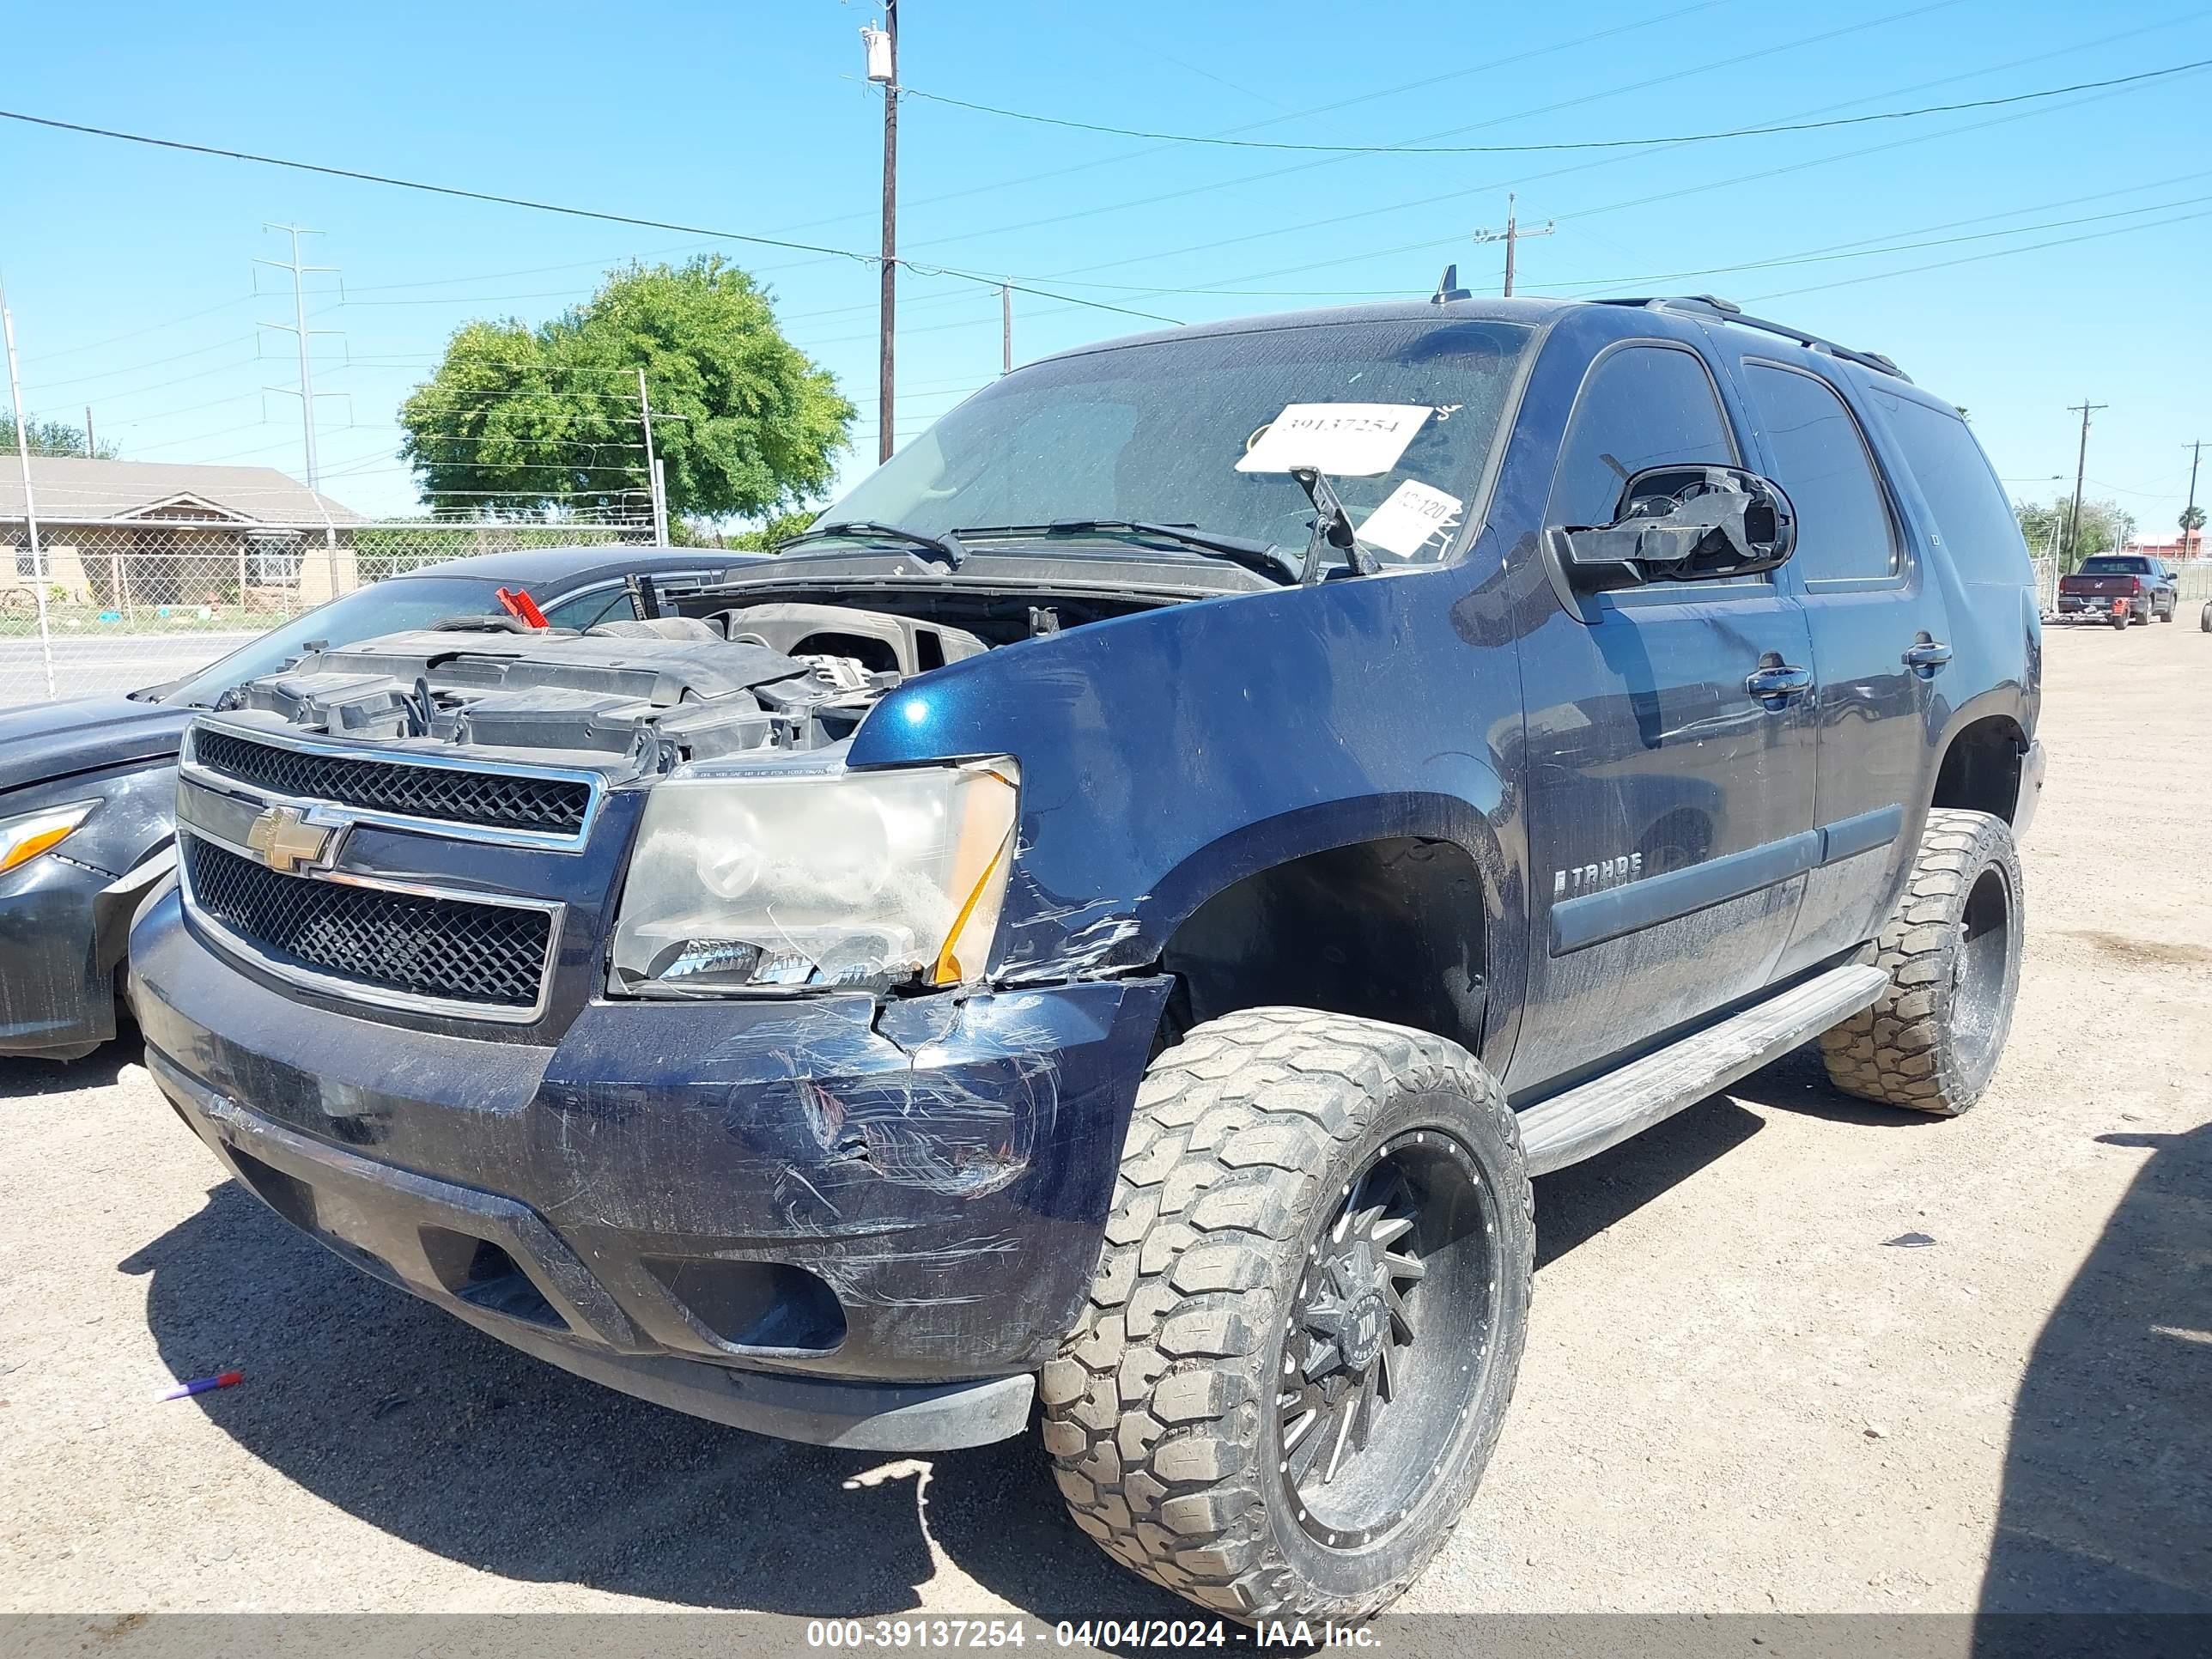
[[205, 1384]]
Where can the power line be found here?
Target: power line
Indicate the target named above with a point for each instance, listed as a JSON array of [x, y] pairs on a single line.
[[1860, 251], [1975, 258], [565, 210], [1305, 227], [1297, 225], [106, 398], [46, 386], [1642, 200], [1566, 144], [150, 328]]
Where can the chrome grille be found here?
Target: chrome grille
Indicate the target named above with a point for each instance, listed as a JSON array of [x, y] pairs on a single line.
[[448, 949], [499, 800]]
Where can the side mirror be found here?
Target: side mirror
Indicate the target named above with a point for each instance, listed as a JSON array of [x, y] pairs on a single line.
[[1683, 524]]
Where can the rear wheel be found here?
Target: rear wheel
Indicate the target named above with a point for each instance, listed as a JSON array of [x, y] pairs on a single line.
[[1307, 1319], [1951, 952]]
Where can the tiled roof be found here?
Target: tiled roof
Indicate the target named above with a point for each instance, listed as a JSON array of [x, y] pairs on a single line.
[[71, 488]]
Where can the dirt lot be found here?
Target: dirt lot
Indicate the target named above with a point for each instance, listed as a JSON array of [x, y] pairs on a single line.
[[1737, 1396]]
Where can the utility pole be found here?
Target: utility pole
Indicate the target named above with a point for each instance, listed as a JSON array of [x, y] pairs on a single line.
[[656, 474], [301, 332], [651, 465], [883, 69], [90, 452], [2195, 454], [1512, 235], [2080, 466], [1005, 328], [30, 501]]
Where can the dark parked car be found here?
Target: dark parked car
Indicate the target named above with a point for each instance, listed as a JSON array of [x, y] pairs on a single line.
[[2119, 588], [1118, 911], [87, 785]]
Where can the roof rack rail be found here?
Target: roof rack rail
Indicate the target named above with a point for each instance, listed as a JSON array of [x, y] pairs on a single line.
[[1728, 312]]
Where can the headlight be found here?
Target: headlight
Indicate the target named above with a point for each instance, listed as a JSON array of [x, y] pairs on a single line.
[[857, 879], [22, 839]]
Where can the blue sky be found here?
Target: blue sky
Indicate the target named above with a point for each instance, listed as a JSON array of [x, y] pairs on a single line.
[[2073, 237]]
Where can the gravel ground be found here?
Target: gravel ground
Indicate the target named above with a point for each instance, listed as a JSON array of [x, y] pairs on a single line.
[[1737, 1396]]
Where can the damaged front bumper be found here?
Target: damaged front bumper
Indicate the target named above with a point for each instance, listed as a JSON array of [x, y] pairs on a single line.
[[825, 1219]]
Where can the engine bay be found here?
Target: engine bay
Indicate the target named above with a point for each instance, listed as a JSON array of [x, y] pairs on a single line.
[[786, 674]]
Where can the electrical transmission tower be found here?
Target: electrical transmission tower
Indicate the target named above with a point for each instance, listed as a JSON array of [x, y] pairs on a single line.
[[301, 335]]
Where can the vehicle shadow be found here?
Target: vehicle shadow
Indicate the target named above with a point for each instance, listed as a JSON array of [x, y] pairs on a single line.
[[2108, 1472], [1798, 1082], [1577, 1203], [429, 1430], [23, 1079]]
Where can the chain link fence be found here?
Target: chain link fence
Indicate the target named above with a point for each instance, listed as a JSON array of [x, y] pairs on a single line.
[[132, 605]]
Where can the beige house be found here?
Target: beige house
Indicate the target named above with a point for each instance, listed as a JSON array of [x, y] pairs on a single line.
[[129, 534]]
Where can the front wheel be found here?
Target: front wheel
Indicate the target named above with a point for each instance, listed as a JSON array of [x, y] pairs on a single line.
[[1307, 1318], [1951, 952]]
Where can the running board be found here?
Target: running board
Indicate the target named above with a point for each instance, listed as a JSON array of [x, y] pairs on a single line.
[[1605, 1111]]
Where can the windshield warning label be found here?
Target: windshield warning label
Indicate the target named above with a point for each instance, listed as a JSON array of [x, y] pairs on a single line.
[[1351, 440]]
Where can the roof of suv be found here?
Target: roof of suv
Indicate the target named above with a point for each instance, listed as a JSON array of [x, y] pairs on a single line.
[[1530, 312]]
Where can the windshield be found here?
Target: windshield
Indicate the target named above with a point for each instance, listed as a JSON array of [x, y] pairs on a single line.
[[388, 607], [1408, 412], [2109, 566]]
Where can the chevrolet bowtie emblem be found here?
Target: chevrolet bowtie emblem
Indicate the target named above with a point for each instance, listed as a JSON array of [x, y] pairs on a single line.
[[286, 840]]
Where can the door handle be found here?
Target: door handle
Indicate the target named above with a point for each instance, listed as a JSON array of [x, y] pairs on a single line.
[[1924, 656], [1775, 684]]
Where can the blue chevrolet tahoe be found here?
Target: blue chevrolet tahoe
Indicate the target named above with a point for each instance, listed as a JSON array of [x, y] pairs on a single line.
[[1107, 925]]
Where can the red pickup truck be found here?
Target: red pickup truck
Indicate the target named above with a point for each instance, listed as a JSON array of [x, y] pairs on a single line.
[[2118, 588]]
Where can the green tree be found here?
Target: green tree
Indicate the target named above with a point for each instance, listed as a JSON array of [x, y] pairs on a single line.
[[50, 437], [522, 418], [2192, 519], [2104, 525]]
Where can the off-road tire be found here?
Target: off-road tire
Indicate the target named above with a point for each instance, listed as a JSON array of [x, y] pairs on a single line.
[[2122, 618], [1932, 1041], [1161, 1412]]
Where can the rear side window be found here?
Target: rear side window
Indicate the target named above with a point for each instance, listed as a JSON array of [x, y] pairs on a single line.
[[1844, 528], [1642, 406], [1972, 516]]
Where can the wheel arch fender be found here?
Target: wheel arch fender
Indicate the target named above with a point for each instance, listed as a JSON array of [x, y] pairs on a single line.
[[1979, 754], [1477, 819]]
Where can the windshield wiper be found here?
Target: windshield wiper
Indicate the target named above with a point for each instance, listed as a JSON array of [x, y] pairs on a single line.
[[1332, 527], [1254, 554], [946, 548]]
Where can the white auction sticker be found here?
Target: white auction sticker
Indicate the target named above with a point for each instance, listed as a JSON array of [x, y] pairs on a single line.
[[1410, 517], [1351, 440]]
